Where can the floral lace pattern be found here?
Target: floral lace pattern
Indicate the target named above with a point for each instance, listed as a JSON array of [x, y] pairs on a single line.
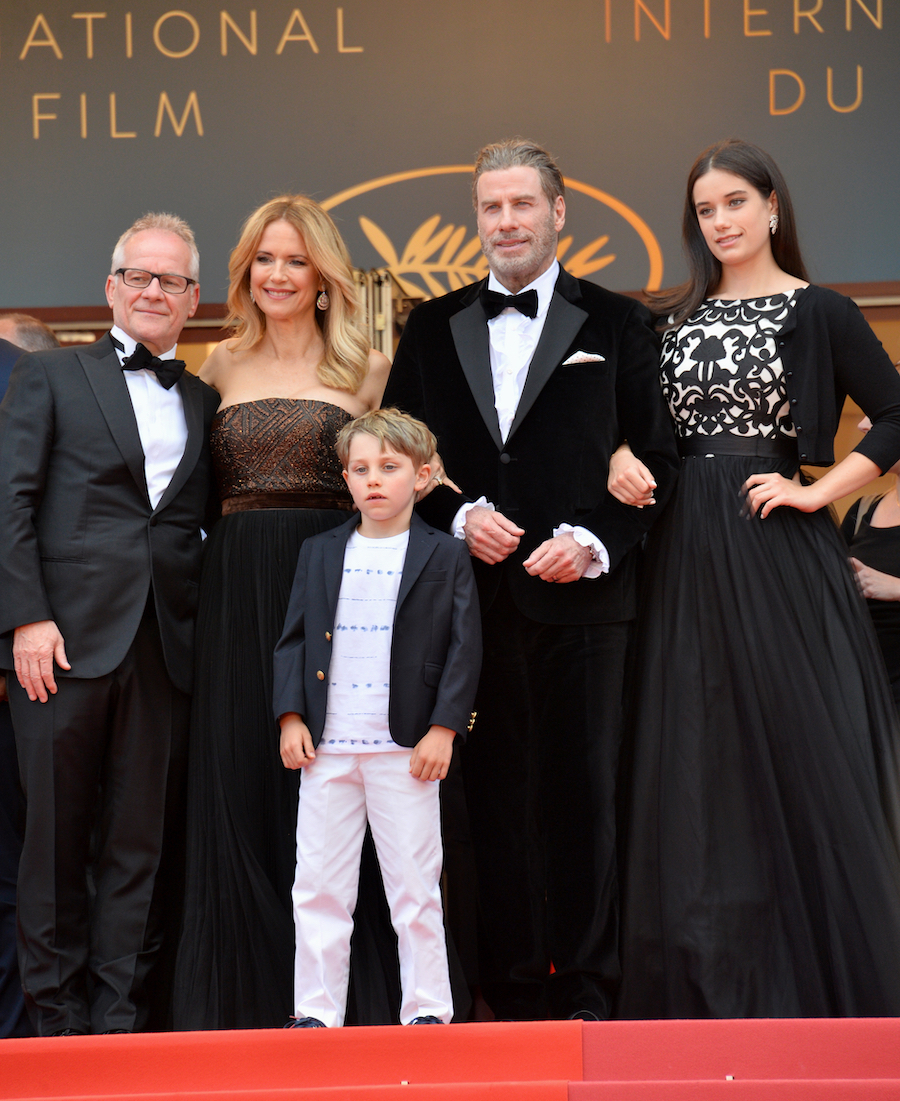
[[721, 372]]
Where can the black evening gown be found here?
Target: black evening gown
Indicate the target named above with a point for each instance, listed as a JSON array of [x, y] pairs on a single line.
[[761, 872], [280, 482], [880, 549]]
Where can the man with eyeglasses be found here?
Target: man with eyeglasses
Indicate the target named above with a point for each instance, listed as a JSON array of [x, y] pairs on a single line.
[[104, 486]]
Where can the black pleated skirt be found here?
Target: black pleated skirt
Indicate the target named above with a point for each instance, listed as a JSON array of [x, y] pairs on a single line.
[[761, 873]]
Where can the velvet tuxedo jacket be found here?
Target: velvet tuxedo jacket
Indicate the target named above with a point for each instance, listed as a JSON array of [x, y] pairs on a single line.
[[436, 643], [593, 382], [79, 541]]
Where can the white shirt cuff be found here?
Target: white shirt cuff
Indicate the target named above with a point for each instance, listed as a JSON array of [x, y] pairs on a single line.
[[457, 528], [599, 563]]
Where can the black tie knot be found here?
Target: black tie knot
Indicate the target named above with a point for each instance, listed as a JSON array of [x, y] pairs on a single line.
[[494, 302]]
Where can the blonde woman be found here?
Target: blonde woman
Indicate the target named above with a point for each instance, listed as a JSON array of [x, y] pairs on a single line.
[[296, 369]]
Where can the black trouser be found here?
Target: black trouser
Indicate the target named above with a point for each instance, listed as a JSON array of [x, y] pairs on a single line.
[[540, 771], [101, 764]]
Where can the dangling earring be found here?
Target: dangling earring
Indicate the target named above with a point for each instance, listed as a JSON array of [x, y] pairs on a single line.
[[773, 223], [322, 300], [252, 299]]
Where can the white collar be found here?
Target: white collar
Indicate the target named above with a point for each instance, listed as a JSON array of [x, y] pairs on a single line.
[[129, 344]]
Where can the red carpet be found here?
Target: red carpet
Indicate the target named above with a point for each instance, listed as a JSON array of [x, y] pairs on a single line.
[[831, 1060]]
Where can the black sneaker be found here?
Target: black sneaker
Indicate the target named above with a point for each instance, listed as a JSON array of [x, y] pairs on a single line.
[[429, 1020], [305, 1022]]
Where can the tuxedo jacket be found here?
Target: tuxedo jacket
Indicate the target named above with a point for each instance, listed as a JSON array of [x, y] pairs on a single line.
[[593, 382], [436, 642], [79, 541]]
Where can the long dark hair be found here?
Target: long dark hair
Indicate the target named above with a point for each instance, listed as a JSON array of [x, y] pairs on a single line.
[[754, 165]]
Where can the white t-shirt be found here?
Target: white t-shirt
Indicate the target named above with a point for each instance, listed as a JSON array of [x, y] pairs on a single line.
[[359, 675]]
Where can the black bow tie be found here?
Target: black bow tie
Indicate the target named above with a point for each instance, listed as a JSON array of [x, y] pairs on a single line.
[[495, 301], [167, 371]]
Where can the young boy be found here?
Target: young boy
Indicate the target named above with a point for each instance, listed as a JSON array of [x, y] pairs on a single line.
[[375, 674]]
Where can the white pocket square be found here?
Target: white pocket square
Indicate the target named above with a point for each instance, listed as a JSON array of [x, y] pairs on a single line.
[[584, 357]]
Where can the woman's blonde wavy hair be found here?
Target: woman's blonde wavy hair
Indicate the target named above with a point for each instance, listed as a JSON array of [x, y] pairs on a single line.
[[346, 358]]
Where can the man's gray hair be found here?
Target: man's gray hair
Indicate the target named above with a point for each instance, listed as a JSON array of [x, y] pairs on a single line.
[[520, 153], [27, 332], [163, 223]]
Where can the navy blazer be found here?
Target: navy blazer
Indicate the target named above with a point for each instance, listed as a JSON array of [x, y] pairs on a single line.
[[436, 643], [574, 412]]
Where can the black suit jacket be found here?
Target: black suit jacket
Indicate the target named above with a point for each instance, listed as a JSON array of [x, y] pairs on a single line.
[[571, 417], [79, 541], [436, 644]]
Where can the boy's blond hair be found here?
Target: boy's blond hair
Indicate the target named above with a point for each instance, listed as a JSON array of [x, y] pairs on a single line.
[[395, 430]]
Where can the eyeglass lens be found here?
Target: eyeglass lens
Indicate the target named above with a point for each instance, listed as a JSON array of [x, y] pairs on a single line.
[[171, 284]]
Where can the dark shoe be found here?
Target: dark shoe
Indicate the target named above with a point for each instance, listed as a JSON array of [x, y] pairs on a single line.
[[583, 1015], [429, 1020], [305, 1022], [115, 1031], [68, 1032]]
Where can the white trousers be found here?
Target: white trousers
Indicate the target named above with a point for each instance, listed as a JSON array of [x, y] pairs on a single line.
[[338, 793]]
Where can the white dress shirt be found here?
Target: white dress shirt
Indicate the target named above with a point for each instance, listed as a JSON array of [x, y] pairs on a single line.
[[160, 419], [513, 338]]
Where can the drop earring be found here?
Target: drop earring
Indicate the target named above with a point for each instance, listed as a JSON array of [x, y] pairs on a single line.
[[322, 300], [773, 223]]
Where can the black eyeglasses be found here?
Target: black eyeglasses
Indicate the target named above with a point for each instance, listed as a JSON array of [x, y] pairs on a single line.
[[140, 280]]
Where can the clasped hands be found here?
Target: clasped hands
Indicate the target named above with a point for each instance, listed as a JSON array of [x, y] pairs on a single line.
[[492, 537]]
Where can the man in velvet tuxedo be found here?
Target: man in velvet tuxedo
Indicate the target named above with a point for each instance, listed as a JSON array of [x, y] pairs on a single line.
[[104, 485], [528, 399]]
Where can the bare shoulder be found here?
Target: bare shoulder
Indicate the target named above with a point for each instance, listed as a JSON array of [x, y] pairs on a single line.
[[217, 364], [372, 389]]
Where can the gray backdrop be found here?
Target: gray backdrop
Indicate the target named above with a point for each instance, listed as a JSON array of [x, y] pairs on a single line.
[[413, 85]]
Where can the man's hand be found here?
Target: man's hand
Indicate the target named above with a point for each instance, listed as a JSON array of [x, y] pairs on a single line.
[[489, 535], [874, 584], [431, 757], [35, 646], [296, 745], [559, 559]]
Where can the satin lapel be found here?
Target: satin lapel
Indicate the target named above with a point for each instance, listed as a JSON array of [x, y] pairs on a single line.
[[564, 320], [470, 337], [419, 550], [105, 377], [192, 400]]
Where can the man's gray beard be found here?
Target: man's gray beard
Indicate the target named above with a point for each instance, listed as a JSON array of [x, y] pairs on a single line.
[[543, 244]]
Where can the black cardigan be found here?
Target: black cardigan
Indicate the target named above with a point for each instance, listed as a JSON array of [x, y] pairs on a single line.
[[828, 352]]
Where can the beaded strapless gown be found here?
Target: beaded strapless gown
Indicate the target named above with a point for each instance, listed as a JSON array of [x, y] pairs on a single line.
[[280, 482], [762, 876]]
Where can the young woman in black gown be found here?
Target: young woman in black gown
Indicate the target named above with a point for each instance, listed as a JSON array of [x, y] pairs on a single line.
[[762, 873], [297, 368]]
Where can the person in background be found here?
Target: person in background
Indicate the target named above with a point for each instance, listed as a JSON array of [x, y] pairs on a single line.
[[27, 332], [13, 1018], [104, 486], [872, 531], [762, 864]]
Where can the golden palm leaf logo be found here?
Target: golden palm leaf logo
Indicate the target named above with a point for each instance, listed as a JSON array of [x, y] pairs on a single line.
[[434, 252], [443, 256]]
